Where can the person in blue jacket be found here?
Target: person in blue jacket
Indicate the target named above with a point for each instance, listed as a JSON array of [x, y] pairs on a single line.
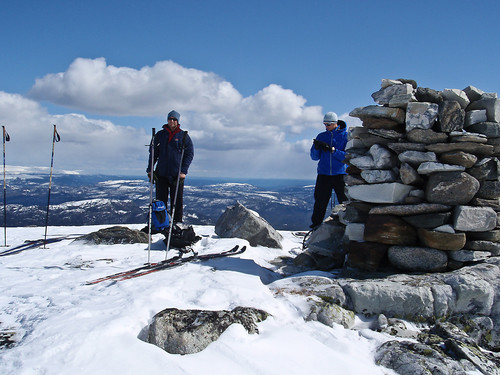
[[329, 149], [170, 170]]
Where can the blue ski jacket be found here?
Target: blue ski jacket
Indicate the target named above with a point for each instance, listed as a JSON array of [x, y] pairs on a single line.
[[331, 163], [167, 153]]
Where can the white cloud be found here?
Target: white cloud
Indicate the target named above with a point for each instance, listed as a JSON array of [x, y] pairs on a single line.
[[267, 134], [94, 86], [100, 146], [95, 146]]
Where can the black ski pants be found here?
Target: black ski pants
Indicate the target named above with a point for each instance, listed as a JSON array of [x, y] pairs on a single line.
[[322, 194], [165, 186]]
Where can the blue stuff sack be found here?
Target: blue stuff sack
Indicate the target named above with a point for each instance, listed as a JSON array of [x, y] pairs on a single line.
[[159, 216]]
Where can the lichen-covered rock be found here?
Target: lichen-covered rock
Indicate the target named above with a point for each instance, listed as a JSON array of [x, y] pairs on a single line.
[[115, 235], [190, 331]]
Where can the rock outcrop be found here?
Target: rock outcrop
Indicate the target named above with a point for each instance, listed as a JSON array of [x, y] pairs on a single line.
[[115, 235], [458, 313]]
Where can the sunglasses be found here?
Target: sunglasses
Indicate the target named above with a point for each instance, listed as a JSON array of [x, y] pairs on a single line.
[[329, 123]]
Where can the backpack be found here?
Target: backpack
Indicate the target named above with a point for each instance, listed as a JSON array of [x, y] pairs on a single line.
[[159, 216], [182, 236]]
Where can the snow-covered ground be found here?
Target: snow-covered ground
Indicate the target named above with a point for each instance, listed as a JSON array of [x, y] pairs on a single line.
[[64, 326]]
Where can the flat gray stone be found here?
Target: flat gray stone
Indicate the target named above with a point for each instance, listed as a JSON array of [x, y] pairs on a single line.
[[428, 221], [426, 136], [417, 259], [406, 146], [464, 159], [466, 256], [471, 147], [429, 167], [410, 209], [377, 176], [415, 158], [396, 114], [380, 193]]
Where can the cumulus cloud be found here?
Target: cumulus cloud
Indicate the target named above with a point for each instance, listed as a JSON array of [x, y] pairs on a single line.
[[88, 145], [267, 134], [92, 85], [100, 146]]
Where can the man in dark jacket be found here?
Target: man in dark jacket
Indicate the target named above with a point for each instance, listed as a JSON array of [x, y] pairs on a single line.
[[329, 149], [170, 145]]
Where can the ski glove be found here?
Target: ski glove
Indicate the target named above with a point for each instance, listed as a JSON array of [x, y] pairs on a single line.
[[323, 146]]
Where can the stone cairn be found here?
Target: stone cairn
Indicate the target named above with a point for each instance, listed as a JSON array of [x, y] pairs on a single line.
[[423, 179]]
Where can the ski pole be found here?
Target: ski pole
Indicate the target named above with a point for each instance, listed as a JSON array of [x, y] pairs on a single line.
[[55, 138], [151, 183], [6, 138], [175, 195]]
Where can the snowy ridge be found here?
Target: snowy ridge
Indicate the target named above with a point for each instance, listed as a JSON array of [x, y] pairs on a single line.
[[121, 200], [64, 326]]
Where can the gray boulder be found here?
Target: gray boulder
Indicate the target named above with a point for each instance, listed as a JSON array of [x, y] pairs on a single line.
[[238, 221], [190, 331]]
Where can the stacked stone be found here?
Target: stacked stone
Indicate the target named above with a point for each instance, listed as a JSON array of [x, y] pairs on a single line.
[[423, 179]]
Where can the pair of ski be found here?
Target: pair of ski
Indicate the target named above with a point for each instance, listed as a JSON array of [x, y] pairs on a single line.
[[32, 245], [169, 263]]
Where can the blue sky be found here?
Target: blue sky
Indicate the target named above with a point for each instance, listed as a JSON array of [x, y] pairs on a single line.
[[251, 79]]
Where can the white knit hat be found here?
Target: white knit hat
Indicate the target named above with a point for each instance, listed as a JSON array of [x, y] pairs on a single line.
[[330, 117]]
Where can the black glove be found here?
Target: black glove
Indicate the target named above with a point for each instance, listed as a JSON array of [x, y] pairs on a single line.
[[323, 146]]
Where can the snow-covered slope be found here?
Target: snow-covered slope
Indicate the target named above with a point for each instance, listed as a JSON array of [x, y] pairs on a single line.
[[66, 327]]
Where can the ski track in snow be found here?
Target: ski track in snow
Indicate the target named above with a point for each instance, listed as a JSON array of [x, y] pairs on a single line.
[[66, 327]]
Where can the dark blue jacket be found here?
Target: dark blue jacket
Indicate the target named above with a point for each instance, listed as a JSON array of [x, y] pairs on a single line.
[[167, 154], [331, 163]]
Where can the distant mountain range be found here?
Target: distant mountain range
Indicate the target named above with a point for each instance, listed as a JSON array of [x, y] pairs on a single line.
[[87, 200]]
